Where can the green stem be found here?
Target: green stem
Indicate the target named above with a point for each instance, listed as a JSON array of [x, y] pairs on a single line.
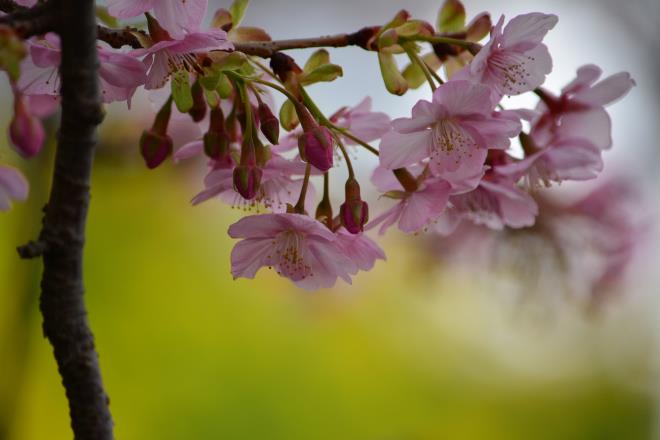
[[300, 205], [415, 59], [349, 165]]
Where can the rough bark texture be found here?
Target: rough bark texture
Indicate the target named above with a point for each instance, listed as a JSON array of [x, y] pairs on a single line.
[[63, 235]]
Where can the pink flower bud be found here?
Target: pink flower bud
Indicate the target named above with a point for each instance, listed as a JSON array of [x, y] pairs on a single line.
[[247, 179], [354, 212], [26, 132], [155, 148], [270, 126], [315, 147]]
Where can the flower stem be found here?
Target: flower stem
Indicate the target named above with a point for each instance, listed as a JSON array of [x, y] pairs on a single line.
[[415, 59], [300, 205]]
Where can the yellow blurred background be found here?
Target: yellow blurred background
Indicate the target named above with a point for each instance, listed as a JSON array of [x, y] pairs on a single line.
[[412, 350]]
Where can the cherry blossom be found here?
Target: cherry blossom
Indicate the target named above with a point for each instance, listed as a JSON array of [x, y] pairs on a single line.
[[362, 122], [579, 111], [13, 186], [178, 17], [361, 249], [514, 60], [454, 131], [296, 246], [168, 56], [119, 73]]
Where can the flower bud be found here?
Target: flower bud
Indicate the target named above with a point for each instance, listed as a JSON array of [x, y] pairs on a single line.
[[155, 148], [315, 147], [247, 179], [354, 212], [269, 124], [198, 110], [216, 145], [25, 130]]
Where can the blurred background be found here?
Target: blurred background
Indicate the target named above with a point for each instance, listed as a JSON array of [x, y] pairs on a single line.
[[422, 347]]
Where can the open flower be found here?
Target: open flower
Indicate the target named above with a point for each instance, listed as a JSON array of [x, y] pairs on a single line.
[[454, 131], [497, 202], [179, 17], [119, 73], [579, 111], [367, 125], [361, 249], [13, 186], [296, 246], [278, 186], [169, 55], [514, 61]]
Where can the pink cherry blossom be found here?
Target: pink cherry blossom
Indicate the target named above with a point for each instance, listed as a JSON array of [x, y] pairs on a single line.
[[26, 3], [568, 159], [278, 186], [120, 73], [497, 202], [168, 56], [514, 61], [579, 111], [414, 210], [362, 122], [296, 246], [178, 17], [454, 131], [361, 249], [13, 186]]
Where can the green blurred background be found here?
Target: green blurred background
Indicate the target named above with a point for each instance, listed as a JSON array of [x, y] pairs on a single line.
[[411, 351]]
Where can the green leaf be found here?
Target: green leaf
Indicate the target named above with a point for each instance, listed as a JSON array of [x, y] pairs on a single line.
[[237, 11], [212, 98], [324, 73], [394, 81], [318, 58], [181, 91], [478, 28], [288, 116], [451, 17], [223, 61]]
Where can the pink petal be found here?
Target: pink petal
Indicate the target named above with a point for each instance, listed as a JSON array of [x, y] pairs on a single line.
[[593, 125], [399, 150], [129, 8], [463, 98], [249, 255], [525, 31], [606, 91]]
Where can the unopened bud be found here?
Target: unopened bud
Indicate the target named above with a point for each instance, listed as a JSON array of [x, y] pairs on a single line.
[[216, 144], [155, 148], [315, 147], [247, 179], [354, 212], [26, 132], [269, 124], [198, 110]]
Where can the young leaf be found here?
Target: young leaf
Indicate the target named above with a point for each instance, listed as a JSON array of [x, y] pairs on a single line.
[[247, 33], [394, 81], [317, 59], [181, 91], [324, 73], [221, 18], [237, 11], [12, 51], [288, 116], [224, 89], [451, 17], [478, 28], [105, 18]]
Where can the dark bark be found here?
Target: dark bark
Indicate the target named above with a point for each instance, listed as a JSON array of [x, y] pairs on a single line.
[[63, 235]]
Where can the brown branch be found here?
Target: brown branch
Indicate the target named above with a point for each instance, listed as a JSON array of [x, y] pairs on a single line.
[[120, 37], [63, 234], [27, 22]]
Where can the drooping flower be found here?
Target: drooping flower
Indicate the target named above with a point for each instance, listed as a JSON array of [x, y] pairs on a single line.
[[515, 60], [454, 131], [13, 186], [568, 159], [178, 17], [120, 74], [295, 245], [169, 55], [360, 248], [579, 111], [367, 125], [497, 202], [414, 209], [278, 186]]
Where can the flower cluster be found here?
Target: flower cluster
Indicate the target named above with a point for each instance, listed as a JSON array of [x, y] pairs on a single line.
[[449, 163]]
